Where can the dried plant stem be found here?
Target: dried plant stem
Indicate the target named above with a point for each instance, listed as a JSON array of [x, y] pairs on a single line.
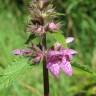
[[45, 70]]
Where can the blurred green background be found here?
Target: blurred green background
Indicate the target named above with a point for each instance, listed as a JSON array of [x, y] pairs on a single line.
[[79, 21]]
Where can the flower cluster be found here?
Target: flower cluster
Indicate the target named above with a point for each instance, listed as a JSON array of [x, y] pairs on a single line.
[[40, 30], [41, 12], [57, 57]]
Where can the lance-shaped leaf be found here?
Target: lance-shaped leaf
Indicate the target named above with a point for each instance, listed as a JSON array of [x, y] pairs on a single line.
[[82, 68]]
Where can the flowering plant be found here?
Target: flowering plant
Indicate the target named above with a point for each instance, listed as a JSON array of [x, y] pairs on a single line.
[[51, 47]]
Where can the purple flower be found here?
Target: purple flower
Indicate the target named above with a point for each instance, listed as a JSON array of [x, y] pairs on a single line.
[[59, 59], [38, 56], [21, 52], [35, 53]]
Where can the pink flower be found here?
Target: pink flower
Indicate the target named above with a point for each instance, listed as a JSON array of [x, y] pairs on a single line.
[[21, 52], [38, 56], [59, 59], [35, 53], [36, 29], [40, 30], [52, 26]]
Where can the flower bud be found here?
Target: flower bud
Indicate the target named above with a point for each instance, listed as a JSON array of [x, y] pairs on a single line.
[[40, 30], [42, 3], [52, 26]]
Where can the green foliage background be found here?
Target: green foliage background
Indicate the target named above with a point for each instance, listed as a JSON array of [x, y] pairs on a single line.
[[19, 79]]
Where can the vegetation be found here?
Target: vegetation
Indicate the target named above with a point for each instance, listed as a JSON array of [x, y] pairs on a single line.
[[17, 78]]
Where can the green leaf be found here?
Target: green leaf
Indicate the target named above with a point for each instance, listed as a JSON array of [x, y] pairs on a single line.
[[36, 40], [12, 72], [59, 37], [50, 40], [31, 37], [55, 37], [82, 68]]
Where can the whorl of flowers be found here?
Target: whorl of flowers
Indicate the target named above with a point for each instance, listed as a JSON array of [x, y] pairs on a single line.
[[42, 22], [58, 58], [42, 15]]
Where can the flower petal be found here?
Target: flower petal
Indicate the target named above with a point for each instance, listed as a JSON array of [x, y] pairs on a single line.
[[27, 51], [54, 53], [69, 39], [17, 52], [55, 69], [66, 67], [70, 51], [21, 52]]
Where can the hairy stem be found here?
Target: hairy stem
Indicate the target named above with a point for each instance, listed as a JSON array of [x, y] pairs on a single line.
[[45, 70]]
